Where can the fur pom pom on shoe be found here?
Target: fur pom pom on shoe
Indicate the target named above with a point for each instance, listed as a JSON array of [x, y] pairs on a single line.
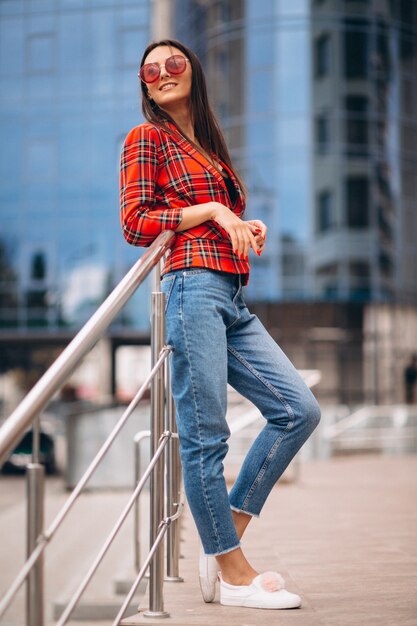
[[271, 581]]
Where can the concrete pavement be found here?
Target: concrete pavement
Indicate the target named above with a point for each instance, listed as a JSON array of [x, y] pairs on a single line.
[[344, 537]]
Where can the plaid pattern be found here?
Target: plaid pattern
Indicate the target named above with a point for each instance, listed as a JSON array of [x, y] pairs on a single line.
[[161, 174]]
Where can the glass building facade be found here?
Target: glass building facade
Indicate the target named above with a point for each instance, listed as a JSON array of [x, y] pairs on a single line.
[[318, 99], [69, 94], [364, 112]]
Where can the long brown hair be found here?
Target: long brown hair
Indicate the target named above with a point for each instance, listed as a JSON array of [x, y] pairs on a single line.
[[206, 127]]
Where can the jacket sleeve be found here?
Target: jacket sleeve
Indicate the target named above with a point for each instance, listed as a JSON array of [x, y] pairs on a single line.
[[142, 220]]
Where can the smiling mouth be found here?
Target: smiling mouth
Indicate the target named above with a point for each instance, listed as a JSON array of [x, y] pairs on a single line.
[[167, 86]]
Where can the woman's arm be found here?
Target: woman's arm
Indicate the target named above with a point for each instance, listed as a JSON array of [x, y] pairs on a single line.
[[142, 221], [240, 232]]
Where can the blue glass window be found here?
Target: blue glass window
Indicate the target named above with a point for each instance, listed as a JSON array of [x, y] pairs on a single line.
[[325, 210], [130, 41], [323, 137], [41, 160], [357, 126], [356, 48], [41, 53], [357, 201], [322, 56]]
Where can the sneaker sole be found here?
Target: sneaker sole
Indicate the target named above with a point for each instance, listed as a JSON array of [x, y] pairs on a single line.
[[251, 604], [208, 591]]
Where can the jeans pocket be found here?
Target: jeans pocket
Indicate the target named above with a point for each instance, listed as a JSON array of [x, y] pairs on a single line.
[[167, 284]]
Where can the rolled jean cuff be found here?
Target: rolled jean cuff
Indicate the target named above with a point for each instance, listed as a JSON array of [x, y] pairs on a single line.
[[234, 508], [224, 551]]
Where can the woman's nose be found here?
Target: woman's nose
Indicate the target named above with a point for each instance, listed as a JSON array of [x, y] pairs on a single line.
[[163, 71]]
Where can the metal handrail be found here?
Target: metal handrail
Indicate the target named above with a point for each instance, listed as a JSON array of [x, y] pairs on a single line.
[[62, 513], [137, 440], [173, 488], [43, 391], [358, 417], [163, 527], [70, 606], [36, 400]]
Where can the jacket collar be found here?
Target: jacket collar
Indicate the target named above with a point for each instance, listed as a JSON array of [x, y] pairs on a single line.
[[188, 147]]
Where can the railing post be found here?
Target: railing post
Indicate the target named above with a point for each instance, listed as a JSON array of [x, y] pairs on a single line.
[[173, 475], [157, 497], [139, 437], [35, 479], [33, 404]]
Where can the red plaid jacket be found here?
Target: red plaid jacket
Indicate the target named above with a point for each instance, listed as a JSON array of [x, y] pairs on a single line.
[[161, 174]]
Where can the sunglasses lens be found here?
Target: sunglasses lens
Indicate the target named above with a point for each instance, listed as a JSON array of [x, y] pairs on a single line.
[[175, 64], [149, 73]]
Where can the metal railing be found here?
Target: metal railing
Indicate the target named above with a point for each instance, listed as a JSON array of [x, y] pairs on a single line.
[[378, 427], [29, 412]]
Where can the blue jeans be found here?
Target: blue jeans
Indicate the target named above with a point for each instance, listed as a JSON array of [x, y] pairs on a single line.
[[216, 340]]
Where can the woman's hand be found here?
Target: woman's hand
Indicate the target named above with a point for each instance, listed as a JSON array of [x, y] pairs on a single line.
[[242, 234], [259, 230]]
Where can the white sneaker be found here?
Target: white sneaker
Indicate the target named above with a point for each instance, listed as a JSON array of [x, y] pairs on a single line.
[[265, 592], [208, 574]]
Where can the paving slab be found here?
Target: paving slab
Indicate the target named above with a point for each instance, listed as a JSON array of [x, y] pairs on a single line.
[[71, 551], [344, 537]]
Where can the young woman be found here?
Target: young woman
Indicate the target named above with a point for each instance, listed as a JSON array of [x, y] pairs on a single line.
[[176, 174]]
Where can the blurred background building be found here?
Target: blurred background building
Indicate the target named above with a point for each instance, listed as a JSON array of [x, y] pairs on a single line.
[[319, 102], [68, 96], [318, 99]]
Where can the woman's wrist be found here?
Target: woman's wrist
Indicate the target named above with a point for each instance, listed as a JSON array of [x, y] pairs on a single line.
[[197, 214], [215, 209]]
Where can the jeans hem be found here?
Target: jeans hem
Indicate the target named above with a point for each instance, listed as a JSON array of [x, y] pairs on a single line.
[[224, 551], [234, 508]]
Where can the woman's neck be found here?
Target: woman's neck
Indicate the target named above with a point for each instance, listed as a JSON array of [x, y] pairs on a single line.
[[183, 120]]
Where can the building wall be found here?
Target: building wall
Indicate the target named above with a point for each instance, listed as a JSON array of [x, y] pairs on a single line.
[[364, 112], [319, 104], [361, 349], [390, 339], [318, 100], [69, 94], [329, 153], [321, 119], [263, 99]]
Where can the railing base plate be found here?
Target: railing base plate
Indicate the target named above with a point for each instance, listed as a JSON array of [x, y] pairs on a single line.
[[155, 614], [173, 579]]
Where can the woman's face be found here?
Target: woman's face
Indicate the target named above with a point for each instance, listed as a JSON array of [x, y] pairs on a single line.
[[169, 91]]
